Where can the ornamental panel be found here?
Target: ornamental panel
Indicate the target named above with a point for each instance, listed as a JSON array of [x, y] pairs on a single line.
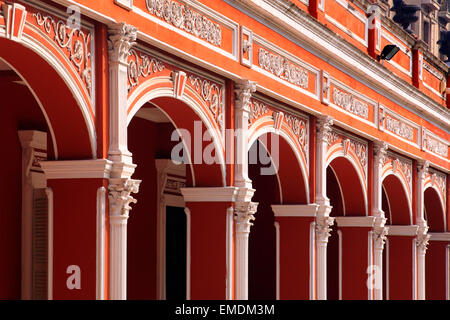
[[76, 44], [434, 144], [144, 65], [351, 146], [264, 113], [395, 164], [394, 124], [437, 179]]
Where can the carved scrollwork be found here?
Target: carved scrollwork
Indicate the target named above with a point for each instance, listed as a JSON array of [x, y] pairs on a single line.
[[323, 228], [120, 195], [399, 128], [212, 94], [244, 215], [349, 103], [283, 69], [299, 128], [257, 109], [75, 41], [141, 65], [186, 19]]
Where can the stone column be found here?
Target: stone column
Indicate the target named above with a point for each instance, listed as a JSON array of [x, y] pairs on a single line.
[[422, 233], [121, 39], [380, 231], [323, 220], [119, 206], [244, 215]]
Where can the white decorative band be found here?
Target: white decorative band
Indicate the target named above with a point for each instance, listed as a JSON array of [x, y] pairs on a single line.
[[403, 230], [301, 210], [439, 236], [355, 221], [77, 169], [212, 194]]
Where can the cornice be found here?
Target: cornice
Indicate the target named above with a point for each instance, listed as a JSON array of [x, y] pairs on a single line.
[[77, 169], [350, 58]]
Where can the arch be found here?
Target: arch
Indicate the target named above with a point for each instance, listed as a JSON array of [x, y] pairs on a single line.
[[434, 209], [400, 206], [351, 183], [292, 163], [159, 91], [33, 56]]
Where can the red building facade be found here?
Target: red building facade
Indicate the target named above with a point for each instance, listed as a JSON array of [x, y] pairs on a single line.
[[310, 169]]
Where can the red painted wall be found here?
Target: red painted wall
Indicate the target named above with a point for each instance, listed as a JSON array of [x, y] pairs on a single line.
[[435, 270], [400, 268], [294, 257], [19, 111], [74, 235]]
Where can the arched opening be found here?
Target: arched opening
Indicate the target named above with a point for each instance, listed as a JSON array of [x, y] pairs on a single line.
[[398, 250], [157, 227], [41, 120], [436, 266], [347, 198], [277, 177], [433, 211]]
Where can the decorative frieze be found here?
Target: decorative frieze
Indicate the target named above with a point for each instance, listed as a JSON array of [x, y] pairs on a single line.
[[432, 143], [359, 148], [399, 165], [298, 125], [213, 95], [399, 128], [141, 65], [350, 103], [76, 42], [183, 17], [283, 68]]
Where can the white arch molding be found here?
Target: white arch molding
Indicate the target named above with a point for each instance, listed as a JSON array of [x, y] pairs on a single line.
[[332, 155], [256, 134], [441, 201], [37, 47], [168, 92], [405, 190]]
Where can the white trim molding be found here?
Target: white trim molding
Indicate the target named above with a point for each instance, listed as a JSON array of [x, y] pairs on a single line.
[[368, 222], [295, 210], [403, 230], [439, 236], [101, 228], [210, 194], [77, 169]]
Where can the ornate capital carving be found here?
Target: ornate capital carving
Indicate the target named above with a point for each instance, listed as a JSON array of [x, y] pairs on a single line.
[[324, 124], [122, 37], [422, 238], [422, 166], [120, 196], [243, 92], [380, 150], [380, 231], [244, 215], [323, 229]]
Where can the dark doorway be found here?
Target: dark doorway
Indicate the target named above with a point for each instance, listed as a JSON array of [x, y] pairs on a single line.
[[175, 253]]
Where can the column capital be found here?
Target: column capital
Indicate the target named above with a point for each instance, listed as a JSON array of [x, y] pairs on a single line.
[[324, 123], [380, 150], [422, 238], [422, 167], [244, 215], [323, 229], [122, 37], [120, 191], [243, 92], [380, 231]]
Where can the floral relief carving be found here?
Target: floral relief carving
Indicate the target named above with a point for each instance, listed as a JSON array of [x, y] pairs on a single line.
[[299, 128], [359, 148], [349, 103], [399, 165], [75, 41], [399, 128], [212, 94], [257, 109], [184, 18], [283, 69], [141, 65], [434, 145]]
